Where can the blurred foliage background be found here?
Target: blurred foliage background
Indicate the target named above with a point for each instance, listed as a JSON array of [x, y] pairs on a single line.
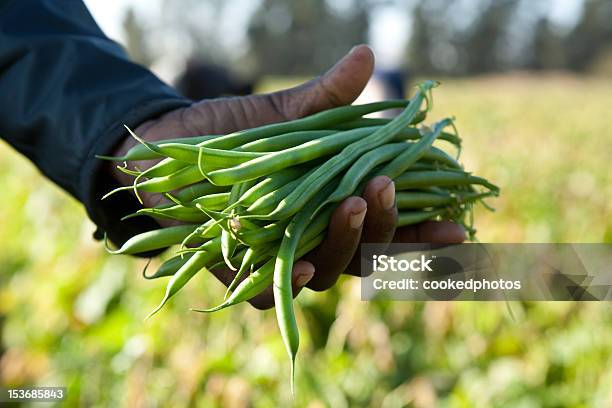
[[72, 315]]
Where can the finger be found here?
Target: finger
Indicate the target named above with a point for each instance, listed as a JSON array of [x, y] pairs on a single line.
[[331, 258], [380, 222], [339, 86], [301, 274], [437, 232]]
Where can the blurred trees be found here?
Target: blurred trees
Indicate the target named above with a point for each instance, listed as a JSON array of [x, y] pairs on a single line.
[[478, 36], [459, 38], [299, 38], [591, 39], [448, 37]]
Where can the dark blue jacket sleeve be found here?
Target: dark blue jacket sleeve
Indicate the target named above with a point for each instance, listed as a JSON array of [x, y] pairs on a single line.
[[66, 91]]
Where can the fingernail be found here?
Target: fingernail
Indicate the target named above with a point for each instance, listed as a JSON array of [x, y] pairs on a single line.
[[302, 280], [352, 49], [387, 196], [356, 219]]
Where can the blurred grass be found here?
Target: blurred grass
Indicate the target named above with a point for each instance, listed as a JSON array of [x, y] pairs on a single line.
[[73, 315]]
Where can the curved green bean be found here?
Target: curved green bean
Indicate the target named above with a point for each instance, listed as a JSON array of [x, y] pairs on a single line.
[[317, 121], [406, 218], [268, 184], [177, 212], [197, 190], [169, 267], [419, 179], [216, 201], [282, 287], [328, 170], [196, 263], [289, 157], [141, 152], [267, 202], [156, 239], [408, 157], [436, 155], [283, 141]]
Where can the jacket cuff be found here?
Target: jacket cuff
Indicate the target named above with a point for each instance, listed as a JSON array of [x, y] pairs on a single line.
[[95, 181]]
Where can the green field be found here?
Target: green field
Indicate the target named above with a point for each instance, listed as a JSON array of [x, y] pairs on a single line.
[[73, 315]]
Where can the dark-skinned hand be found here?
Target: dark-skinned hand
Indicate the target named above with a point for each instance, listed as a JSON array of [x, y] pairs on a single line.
[[370, 218]]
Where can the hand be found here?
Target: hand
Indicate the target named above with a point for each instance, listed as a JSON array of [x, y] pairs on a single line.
[[368, 219]]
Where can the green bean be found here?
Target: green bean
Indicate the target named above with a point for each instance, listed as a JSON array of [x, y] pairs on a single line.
[[402, 182], [164, 168], [251, 256], [209, 229], [436, 155], [267, 202], [197, 190], [262, 235], [156, 239], [177, 212], [284, 141], [327, 171], [408, 152], [270, 200], [282, 287], [428, 166], [169, 267], [303, 153], [361, 122], [228, 240], [408, 157], [433, 190], [236, 260], [125, 170], [194, 264], [273, 182], [142, 152], [181, 178], [191, 154], [260, 279], [228, 246], [317, 121], [378, 121], [216, 201], [290, 140], [418, 179], [415, 134], [159, 184], [405, 218], [214, 157], [414, 199], [289, 157], [246, 265]]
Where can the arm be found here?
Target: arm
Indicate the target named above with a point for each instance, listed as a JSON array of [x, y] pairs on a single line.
[[65, 92]]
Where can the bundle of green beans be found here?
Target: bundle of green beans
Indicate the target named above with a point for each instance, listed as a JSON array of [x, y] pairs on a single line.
[[257, 200]]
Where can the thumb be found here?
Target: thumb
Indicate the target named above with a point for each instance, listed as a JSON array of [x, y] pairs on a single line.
[[339, 86]]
